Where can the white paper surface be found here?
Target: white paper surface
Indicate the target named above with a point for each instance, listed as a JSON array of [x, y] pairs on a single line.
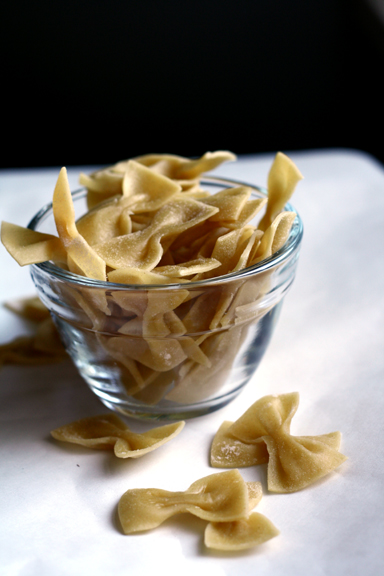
[[58, 502]]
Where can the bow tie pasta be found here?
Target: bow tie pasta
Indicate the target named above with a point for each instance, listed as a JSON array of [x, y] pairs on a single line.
[[42, 347], [225, 500], [109, 432], [262, 435]]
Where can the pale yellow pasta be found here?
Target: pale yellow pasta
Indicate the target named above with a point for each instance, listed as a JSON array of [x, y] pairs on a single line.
[[201, 381], [22, 350], [30, 308], [230, 202], [47, 339], [189, 268], [102, 224], [227, 250], [249, 212], [294, 462], [155, 190], [274, 237], [219, 497], [144, 249], [224, 500], [80, 252], [180, 168], [109, 432], [282, 180], [247, 302], [132, 275], [30, 247], [43, 346], [107, 181]]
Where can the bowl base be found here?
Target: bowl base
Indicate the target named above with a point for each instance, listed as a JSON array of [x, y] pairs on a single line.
[[174, 413]]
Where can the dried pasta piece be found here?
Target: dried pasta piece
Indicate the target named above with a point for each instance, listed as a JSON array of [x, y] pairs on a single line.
[[155, 190], [180, 168], [294, 462], [282, 180], [247, 214], [188, 268], [42, 347], [160, 355], [31, 247], [155, 389], [240, 534], [133, 381], [22, 350], [132, 303], [109, 432], [219, 497], [143, 249], [30, 308], [103, 223], [131, 275], [245, 303], [191, 239], [227, 250], [214, 498], [47, 339], [157, 350], [202, 310], [274, 237], [230, 202], [90, 303], [243, 257], [202, 381], [107, 181], [158, 304], [80, 252]]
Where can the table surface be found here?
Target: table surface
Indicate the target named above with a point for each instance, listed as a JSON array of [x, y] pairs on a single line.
[[58, 502]]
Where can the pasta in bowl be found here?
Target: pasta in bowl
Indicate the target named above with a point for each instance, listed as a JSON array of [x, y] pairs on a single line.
[[166, 290]]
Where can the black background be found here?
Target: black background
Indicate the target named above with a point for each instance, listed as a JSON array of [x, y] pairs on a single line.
[[95, 82]]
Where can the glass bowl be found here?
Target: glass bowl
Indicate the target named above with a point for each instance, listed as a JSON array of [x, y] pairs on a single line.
[[171, 351]]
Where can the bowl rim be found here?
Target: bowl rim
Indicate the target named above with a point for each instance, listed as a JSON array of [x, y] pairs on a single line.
[[290, 246]]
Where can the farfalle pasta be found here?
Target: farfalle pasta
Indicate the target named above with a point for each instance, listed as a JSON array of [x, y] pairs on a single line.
[[262, 435], [109, 432], [224, 500], [41, 347], [154, 229]]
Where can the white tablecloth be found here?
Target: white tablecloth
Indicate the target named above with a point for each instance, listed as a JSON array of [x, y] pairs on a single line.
[[58, 502]]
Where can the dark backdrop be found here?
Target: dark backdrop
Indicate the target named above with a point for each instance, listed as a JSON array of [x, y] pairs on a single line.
[[95, 82]]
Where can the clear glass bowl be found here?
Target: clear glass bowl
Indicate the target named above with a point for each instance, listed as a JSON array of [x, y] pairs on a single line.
[[167, 351]]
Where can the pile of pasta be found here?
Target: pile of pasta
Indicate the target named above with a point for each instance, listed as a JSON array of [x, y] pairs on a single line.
[[151, 223]]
